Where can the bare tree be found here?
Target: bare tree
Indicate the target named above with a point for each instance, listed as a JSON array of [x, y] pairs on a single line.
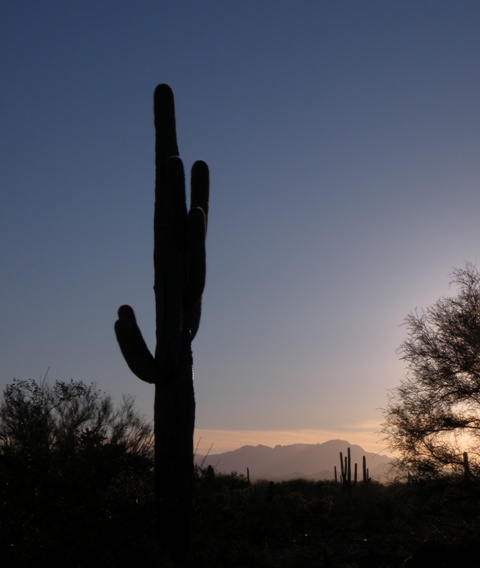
[[433, 417]]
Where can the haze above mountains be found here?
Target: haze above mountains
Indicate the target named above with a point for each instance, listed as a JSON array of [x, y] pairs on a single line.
[[308, 461]]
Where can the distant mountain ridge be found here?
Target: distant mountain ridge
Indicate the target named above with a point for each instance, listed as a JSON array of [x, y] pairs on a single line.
[[309, 461]]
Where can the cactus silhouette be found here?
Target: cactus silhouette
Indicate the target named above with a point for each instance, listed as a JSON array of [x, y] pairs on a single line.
[[180, 266], [366, 473], [346, 469]]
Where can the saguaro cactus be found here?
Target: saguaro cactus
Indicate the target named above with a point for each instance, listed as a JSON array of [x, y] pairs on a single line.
[[346, 469], [179, 263], [366, 473]]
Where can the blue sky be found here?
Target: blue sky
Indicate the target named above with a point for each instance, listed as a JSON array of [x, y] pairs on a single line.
[[343, 143]]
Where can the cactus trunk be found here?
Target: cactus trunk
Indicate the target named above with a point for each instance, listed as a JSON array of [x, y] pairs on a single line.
[[179, 265], [174, 418]]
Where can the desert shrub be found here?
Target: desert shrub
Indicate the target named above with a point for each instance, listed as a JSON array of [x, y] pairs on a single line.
[[74, 473]]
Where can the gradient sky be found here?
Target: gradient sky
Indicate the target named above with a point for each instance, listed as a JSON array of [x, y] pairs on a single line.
[[343, 140]]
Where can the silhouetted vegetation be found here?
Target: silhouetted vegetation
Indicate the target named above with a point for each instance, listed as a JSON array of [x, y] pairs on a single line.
[[346, 471], [180, 266], [314, 524], [76, 489], [75, 475], [433, 417]]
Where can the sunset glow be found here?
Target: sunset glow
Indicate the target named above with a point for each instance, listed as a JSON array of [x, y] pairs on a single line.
[[219, 441]]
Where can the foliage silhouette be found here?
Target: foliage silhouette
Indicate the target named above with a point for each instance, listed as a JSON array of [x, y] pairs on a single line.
[[308, 524], [433, 417], [67, 455]]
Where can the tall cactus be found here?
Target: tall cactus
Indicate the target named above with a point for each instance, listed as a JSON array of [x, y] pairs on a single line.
[[179, 264]]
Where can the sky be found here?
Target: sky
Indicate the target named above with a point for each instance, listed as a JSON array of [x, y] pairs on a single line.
[[343, 144]]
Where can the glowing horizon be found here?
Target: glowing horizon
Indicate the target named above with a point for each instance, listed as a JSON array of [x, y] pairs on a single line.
[[216, 441]]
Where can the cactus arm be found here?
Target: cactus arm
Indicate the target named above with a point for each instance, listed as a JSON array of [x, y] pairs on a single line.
[[196, 254], [200, 183], [133, 346]]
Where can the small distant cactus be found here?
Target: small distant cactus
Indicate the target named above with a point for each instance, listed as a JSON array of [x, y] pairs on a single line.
[[366, 474], [346, 470], [179, 264]]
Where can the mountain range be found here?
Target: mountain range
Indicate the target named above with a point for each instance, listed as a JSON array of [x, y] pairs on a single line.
[[307, 461]]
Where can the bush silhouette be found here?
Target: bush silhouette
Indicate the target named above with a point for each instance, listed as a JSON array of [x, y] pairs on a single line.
[[66, 456]]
